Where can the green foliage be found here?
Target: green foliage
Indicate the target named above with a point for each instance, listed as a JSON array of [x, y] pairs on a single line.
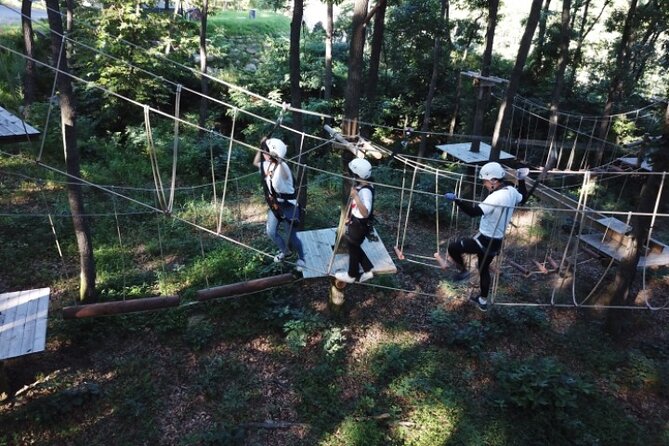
[[623, 130], [539, 383], [334, 342], [199, 333], [352, 432], [219, 435], [299, 330], [238, 23]]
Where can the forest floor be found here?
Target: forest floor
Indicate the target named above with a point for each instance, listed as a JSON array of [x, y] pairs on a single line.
[[282, 367]]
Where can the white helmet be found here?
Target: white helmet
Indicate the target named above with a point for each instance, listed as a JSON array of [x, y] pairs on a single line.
[[276, 148], [492, 171], [361, 168]]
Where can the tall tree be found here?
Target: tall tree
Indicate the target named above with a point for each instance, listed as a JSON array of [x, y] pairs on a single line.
[[71, 151], [204, 81], [29, 85], [584, 28], [470, 34], [483, 92], [505, 109], [329, 28], [379, 14], [436, 58], [355, 62], [296, 93], [619, 292], [541, 38], [565, 33], [616, 87]]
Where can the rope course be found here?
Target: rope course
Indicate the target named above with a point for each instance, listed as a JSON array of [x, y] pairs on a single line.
[[421, 168]]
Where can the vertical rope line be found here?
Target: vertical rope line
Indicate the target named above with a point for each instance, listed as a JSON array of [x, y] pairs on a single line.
[[157, 180], [51, 100], [160, 244], [175, 148], [565, 127], [406, 221], [399, 215], [201, 242], [572, 154], [227, 171], [120, 244], [569, 240], [436, 206], [213, 172], [55, 237], [299, 185], [652, 225]]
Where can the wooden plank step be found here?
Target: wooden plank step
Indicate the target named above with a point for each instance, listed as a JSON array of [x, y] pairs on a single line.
[[617, 251], [23, 317], [318, 249]]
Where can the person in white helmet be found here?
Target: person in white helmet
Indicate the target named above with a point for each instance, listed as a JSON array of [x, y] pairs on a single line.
[[357, 227], [495, 212], [279, 188]]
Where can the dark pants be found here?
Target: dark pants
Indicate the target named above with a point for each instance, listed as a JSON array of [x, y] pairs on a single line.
[[356, 231], [489, 248]]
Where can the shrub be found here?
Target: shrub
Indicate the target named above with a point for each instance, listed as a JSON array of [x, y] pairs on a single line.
[[539, 383]]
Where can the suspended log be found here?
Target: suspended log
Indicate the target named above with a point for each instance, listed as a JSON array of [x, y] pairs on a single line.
[[248, 286], [519, 267], [119, 307]]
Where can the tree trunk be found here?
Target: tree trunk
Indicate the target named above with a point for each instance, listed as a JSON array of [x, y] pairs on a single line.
[[354, 81], [68, 118], [374, 61], [541, 39], [204, 82], [616, 88], [296, 97], [471, 32], [565, 33], [329, 27], [29, 85], [436, 56], [583, 31], [505, 108], [483, 93], [619, 292]]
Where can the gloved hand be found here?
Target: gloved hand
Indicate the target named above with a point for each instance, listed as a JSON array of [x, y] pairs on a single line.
[[522, 173], [450, 196]]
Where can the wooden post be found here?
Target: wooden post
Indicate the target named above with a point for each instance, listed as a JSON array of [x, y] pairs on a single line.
[[249, 286], [120, 307], [4, 383], [336, 298]]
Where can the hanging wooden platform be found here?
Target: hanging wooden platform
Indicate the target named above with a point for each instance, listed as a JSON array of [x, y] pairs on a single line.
[[607, 235], [462, 152], [318, 248], [23, 317], [13, 129]]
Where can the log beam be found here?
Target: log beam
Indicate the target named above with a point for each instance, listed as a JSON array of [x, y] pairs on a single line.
[[248, 286], [119, 307]]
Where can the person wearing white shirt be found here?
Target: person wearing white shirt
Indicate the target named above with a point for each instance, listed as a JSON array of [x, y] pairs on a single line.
[[279, 190], [495, 212], [360, 211]]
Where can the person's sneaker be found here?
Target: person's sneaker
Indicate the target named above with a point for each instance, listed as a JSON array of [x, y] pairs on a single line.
[[483, 306], [299, 266], [280, 257], [364, 277], [343, 276], [462, 275]]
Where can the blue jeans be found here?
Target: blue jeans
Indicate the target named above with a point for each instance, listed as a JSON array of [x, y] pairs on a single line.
[[273, 229]]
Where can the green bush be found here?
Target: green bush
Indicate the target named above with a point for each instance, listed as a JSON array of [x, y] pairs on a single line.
[[539, 383]]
